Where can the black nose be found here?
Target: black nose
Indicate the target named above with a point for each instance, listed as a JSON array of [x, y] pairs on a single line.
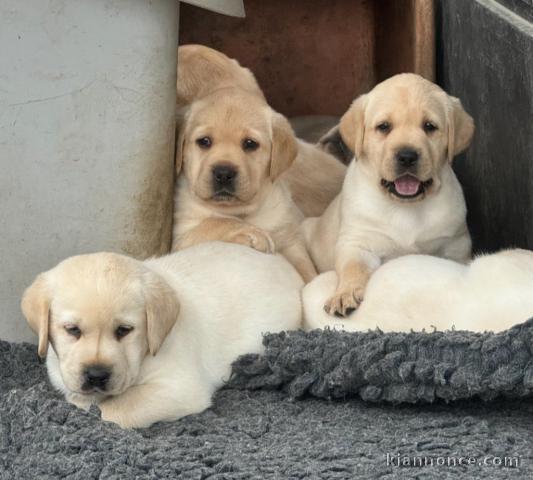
[[96, 376], [224, 175], [407, 157]]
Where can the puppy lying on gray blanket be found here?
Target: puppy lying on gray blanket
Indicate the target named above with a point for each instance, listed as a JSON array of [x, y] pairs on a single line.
[[417, 292], [152, 341]]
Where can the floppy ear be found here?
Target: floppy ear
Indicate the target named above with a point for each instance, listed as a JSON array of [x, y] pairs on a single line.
[[284, 146], [162, 309], [460, 128], [35, 306], [332, 143], [352, 126], [180, 143]]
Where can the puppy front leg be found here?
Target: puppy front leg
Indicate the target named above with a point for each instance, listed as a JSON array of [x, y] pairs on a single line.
[[142, 405], [353, 275], [297, 255], [81, 401], [227, 230]]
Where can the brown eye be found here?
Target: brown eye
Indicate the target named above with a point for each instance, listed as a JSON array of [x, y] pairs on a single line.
[[384, 127], [73, 330], [429, 127], [122, 331], [249, 145], [204, 142]]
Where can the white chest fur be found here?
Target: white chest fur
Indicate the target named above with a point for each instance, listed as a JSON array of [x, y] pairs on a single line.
[[372, 220]]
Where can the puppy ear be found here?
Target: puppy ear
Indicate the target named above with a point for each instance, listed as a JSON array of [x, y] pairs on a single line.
[[180, 143], [460, 128], [35, 306], [331, 142], [162, 309], [352, 126], [284, 146]]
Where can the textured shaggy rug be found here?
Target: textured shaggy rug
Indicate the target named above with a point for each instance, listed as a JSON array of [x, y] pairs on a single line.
[[258, 434], [394, 367]]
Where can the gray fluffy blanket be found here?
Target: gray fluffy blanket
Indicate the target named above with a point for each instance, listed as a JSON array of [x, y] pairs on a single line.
[[264, 434], [394, 367]]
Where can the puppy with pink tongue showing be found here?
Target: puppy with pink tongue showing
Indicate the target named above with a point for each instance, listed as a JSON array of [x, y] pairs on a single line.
[[407, 185], [400, 195]]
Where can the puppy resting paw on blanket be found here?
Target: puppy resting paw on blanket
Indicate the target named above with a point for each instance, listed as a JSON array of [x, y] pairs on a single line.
[[152, 341], [400, 195]]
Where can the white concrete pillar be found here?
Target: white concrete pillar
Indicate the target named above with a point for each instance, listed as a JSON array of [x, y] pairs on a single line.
[[87, 104]]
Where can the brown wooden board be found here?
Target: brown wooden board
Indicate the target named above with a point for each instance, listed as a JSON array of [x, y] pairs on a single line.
[[314, 56]]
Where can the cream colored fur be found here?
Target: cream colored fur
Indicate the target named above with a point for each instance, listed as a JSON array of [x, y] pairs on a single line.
[[366, 224], [192, 314], [420, 292], [260, 212], [314, 178]]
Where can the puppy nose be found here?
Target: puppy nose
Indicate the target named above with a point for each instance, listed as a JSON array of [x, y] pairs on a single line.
[[97, 376], [224, 174], [407, 157]]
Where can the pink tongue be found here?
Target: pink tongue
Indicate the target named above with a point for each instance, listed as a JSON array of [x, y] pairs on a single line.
[[406, 185]]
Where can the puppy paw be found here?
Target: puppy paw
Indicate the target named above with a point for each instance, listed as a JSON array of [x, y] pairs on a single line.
[[110, 413], [81, 401], [344, 302], [254, 238]]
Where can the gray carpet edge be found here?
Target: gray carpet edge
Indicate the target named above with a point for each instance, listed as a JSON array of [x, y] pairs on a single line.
[[266, 431]]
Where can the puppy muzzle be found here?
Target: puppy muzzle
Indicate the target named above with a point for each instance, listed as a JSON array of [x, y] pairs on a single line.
[[95, 378], [224, 178], [407, 186]]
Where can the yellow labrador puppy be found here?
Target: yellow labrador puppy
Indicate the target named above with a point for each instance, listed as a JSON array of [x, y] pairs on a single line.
[[314, 178], [202, 70], [152, 341], [420, 292], [400, 195], [231, 152]]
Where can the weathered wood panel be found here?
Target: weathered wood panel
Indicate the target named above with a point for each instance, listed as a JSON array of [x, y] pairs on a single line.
[[485, 57]]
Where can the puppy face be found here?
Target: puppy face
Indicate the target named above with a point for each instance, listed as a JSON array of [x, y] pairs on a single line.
[[101, 313], [405, 130], [231, 146]]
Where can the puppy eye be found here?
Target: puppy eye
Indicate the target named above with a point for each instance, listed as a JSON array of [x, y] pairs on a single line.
[[73, 330], [204, 142], [249, 145], [429, 127], [122, 331], [384, 127]]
